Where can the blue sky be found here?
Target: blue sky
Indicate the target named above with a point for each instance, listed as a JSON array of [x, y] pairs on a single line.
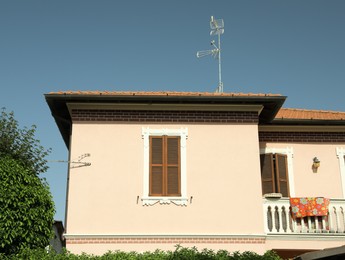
[[293, 48]]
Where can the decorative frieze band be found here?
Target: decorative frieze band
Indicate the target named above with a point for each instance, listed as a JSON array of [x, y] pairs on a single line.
[[166, 240], [164, 116], [302, 137]]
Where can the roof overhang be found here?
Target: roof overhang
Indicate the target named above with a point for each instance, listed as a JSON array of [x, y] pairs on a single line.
[[329, 253], [60, 103], [165, 107], [301, 128], [306, 122]]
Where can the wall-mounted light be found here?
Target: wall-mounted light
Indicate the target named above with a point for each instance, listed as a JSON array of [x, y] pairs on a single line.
[[316, 163]]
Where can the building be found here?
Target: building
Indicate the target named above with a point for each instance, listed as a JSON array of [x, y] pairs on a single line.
[[213, 170], [57, 242]]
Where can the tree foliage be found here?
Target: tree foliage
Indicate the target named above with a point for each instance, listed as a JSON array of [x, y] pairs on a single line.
[[20, 143], [26, 205]]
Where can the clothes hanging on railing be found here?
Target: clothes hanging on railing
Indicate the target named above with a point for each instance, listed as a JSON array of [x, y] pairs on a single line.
[[309, 206]]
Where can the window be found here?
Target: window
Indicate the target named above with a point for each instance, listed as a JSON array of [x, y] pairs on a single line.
[[165, 166], [165, 174], [274, 174]]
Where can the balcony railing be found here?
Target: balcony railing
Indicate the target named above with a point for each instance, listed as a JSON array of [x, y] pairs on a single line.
[[278, 218]]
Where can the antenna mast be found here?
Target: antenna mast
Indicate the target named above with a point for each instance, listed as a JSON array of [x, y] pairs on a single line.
[[217, 28]]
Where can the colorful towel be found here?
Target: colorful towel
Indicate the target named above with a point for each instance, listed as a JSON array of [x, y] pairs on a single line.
[[304, 207]]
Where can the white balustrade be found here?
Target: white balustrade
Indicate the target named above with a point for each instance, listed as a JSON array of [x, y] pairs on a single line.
[[278, 218]]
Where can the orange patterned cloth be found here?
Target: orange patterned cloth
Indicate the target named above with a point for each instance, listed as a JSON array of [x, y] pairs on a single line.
[[309, 206]]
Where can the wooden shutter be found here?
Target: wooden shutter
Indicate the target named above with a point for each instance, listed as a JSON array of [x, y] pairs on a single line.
[[173, 166], [156, 166], [267, 173], [282, 174], [165, 177]]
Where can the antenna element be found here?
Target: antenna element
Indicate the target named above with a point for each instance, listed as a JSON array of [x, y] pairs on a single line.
[[76, 163], [217, 28]]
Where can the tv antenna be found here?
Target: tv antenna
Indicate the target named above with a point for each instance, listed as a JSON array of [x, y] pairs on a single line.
[[78, 162], [217, 28]]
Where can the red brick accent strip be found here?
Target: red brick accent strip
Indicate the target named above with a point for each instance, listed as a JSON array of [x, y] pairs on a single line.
[[302, 137], [165, 116], [166, 240]]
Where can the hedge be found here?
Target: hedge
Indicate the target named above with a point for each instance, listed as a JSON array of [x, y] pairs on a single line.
[[180, 253]]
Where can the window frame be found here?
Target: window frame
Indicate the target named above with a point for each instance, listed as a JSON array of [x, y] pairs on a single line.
[[274, 177], [164, 165], [177, 200], [288, 151], [340, 151]]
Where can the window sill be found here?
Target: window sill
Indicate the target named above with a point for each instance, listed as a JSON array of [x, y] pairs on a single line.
[[273, 195], [179, 201]]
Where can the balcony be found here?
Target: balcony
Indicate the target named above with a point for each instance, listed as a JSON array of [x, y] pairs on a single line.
[[278, 219]]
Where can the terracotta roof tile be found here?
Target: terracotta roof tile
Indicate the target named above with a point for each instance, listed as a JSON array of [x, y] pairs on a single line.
[[294, 113], [161, 93]]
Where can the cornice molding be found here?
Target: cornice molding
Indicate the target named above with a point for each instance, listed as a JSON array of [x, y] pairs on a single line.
[[167, 107], [71, 235], [281, 128], [307, 237]]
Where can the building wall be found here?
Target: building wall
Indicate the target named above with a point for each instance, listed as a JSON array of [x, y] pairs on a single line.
[[326, 181], [224, 211], [223, 177]]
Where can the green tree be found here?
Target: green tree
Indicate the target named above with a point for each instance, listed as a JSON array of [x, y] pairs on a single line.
[[26, 205], [20, 144]]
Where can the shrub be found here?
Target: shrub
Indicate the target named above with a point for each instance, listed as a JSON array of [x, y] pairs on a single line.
[[180, 253]]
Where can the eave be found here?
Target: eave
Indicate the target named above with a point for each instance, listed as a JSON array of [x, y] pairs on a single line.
[[307, 122], [59, 103]]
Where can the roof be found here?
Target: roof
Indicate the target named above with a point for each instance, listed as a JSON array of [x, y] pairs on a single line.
[[161, 93], [283, 113], [294, 113], [272, 112], [57, 101], [328, 253]]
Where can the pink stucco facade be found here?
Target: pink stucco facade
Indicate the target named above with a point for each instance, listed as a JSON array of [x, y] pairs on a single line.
[[222, 204], [326, 182], [108, 190], [223, 187]]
